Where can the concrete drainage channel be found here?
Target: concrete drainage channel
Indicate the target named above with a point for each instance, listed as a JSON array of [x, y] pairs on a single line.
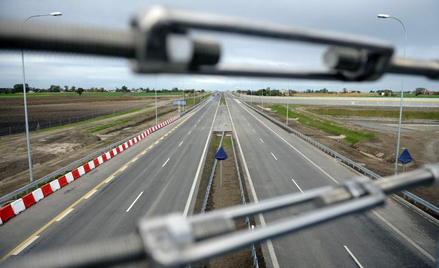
[[216, 193]]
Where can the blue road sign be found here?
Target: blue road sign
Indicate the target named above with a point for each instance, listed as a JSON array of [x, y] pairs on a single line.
[[221, 154], [405, 157], [179, 103]]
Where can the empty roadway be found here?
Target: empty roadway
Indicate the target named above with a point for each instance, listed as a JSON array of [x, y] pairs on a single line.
[[156, 182], [280, 163]]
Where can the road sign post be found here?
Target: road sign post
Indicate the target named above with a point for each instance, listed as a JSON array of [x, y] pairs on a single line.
[[220, 156]]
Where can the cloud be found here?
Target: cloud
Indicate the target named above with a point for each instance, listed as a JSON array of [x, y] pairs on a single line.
[[353, 17]]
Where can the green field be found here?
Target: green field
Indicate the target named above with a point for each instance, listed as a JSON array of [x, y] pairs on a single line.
[[324, 125], [90, 94], [340, 112]]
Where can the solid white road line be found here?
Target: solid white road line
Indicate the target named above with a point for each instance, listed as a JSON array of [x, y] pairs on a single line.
[[166, 162], [353, 257], [135, 200], [270, 247], [25, 245], [90, 194], [180, 143], [200, 164], [273, 156], [297, 185], [411, 242], [261, 140], [65, 214], [189, 132]]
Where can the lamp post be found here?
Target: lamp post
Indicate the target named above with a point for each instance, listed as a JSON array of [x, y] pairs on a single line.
[[31, 175], [385, 16], [288, 100], [155, 90]]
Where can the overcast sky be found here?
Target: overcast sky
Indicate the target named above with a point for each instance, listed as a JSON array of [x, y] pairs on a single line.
[[354, 17]]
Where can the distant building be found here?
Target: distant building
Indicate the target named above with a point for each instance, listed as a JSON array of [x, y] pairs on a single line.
[[430, 92]]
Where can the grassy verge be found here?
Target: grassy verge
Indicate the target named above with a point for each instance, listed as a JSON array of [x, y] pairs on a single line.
[[108, 125], [95, 119], [340, 112], [223, 99], [226, 142], [326, 126]]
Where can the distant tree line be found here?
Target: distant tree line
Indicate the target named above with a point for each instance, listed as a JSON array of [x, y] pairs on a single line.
[[18, 88]]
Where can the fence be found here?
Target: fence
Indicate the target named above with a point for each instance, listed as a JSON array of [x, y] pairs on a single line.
[[35, 125], [414, 198]]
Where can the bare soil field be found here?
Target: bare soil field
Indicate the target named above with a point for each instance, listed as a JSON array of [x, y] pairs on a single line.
[[44, 112], [378, 153], [57, 147]]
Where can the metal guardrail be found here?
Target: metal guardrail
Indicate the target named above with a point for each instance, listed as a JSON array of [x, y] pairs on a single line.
[[247, 220], [209, 183], [414, 198], [51, 176]]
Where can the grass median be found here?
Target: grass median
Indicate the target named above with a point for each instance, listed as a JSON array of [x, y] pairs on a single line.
[[324, 125]]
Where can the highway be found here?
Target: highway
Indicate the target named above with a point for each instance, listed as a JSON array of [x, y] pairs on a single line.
[[279, 163], [160, 174], [157, 176]]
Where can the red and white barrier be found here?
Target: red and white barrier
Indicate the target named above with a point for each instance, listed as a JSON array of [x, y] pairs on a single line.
[[18, 206], [14, 208], [38, 194]]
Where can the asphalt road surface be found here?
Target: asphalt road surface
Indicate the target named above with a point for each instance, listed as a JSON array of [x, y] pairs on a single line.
[[144, 181], [280, 163]]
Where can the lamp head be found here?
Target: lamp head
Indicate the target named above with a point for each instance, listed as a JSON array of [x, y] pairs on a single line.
[[57, 13], [383, 16]]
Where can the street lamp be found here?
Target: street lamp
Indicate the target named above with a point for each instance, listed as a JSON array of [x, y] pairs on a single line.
[[385, 16], [55, 14]]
